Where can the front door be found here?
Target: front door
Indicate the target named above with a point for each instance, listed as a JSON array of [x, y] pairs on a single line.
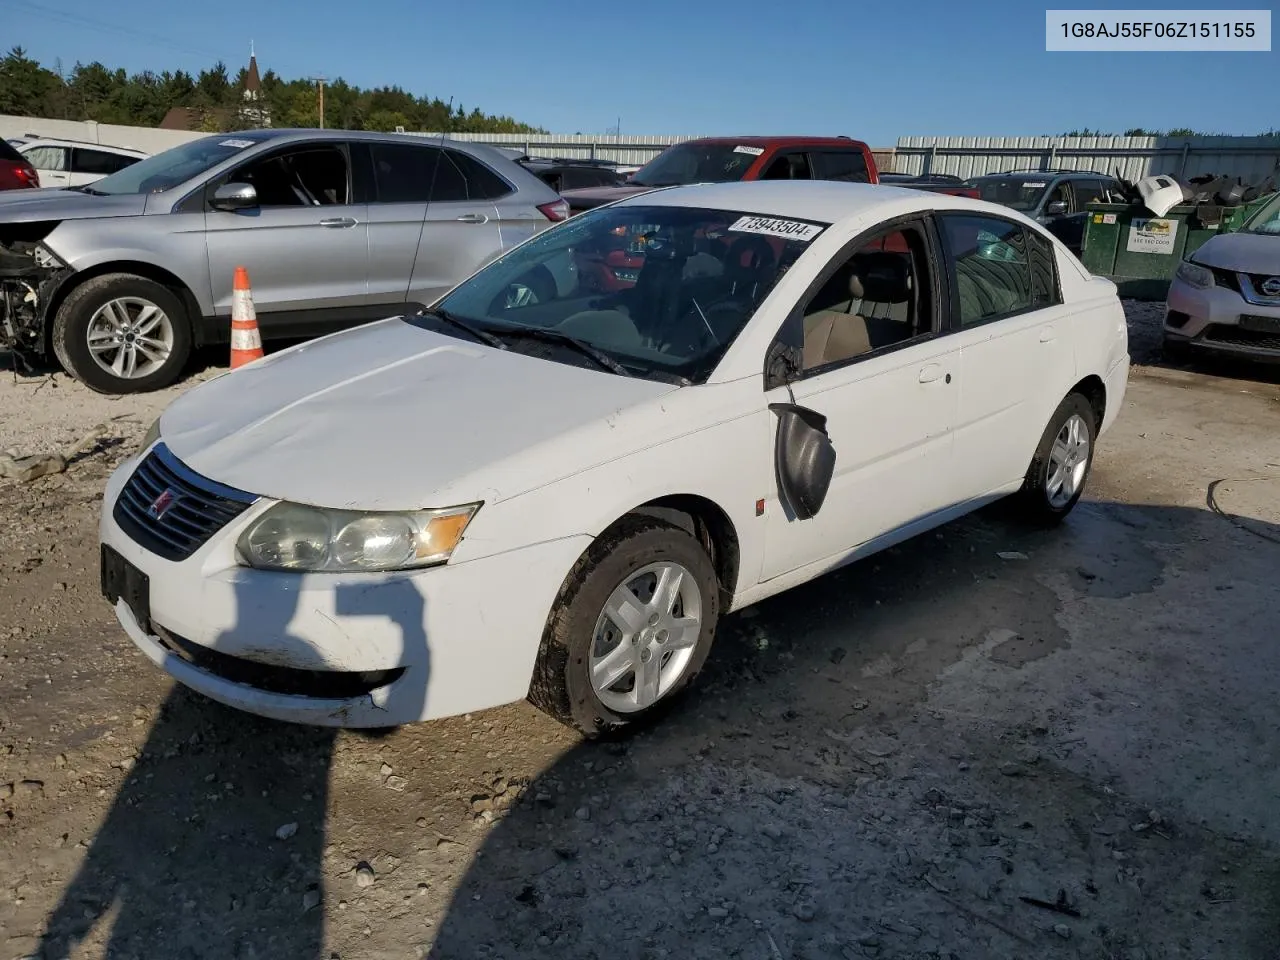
[[306, 246], [877, 367]]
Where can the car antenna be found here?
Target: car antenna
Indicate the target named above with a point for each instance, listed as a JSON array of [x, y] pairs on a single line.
[[440, 158]]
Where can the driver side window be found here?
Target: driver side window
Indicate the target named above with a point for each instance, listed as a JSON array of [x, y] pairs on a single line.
[[308, 177], [879, 297]]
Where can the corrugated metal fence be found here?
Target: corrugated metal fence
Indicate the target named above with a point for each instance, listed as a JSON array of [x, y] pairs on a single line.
[[1253, 159], [628, 150]]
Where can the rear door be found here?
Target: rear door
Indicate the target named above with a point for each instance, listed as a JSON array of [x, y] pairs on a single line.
[[1015, 345], [306, 245], [462, 226], [399, 193], [52, 163], [88, 165]]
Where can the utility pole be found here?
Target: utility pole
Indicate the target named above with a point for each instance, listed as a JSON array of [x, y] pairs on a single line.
[[319, 81]]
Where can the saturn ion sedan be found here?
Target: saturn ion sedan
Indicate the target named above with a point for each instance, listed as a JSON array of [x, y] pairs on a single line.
[[553, 485]]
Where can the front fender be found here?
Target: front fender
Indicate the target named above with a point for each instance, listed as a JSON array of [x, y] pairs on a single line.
[[729, 464]]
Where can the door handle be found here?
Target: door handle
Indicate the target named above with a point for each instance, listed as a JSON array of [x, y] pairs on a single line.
[[930, 372], [473, 218], [1048, 335], [338, 222]]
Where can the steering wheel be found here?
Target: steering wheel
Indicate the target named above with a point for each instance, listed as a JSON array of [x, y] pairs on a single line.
[[760, 250]]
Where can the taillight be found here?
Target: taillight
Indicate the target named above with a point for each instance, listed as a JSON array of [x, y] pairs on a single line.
[[556, 210], [27, 175]]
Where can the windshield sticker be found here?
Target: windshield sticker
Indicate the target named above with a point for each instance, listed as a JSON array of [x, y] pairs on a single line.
[[238, 144], [1034, 184], [770, 227], [754, 151]]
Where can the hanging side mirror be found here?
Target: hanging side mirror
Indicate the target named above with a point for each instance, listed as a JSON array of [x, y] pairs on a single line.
[[804, 459]]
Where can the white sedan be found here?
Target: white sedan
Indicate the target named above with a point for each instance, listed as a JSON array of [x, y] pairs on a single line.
[[728, 391]]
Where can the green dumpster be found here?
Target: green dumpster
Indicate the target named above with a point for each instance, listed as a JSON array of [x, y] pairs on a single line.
[[1139, 251]]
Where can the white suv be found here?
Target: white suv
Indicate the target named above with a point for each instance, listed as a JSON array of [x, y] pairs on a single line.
[[70, 163]]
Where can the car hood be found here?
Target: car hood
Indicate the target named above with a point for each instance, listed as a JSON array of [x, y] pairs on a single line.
[[389, 416], [1242, 252], [56, 203], [588, 197]]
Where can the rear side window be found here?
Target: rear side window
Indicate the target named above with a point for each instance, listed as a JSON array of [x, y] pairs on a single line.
[[849, 165], [1000, 268], [47, 158], [481, 182], [99, 162], [8, 153], [402, 172]]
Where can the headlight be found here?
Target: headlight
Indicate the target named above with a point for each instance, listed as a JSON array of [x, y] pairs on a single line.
[[290, 536], [152, 435], [1195, 274]]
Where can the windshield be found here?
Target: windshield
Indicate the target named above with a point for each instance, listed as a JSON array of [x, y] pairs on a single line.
[[660, 291], [174, 166], [695, 162], [1011, 192], [1266, 220]]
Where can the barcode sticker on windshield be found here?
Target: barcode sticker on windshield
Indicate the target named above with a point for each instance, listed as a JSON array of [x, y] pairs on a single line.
[[754, 151], [238, 144], [770, 227]]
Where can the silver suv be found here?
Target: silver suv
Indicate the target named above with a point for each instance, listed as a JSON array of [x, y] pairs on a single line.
[[122, 278]]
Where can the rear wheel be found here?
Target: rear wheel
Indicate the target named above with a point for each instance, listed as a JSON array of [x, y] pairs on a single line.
[[1060, 468], [121, 333], [631, 628]]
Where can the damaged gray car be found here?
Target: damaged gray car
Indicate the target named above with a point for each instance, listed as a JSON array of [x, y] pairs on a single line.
[[121, 279]]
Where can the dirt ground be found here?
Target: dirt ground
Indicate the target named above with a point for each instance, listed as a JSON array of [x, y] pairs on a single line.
[[891, 762]]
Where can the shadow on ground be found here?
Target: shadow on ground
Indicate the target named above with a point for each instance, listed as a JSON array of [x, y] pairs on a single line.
[[804, 802], [807, 801]]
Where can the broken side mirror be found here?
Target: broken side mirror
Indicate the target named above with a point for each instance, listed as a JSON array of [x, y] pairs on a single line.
[[1056, 209], [804, 459], [234, 196], [784, 361]]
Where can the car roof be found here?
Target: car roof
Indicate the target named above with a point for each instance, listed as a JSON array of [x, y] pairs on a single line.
[[820, 201], [781, 141], [60, 142]]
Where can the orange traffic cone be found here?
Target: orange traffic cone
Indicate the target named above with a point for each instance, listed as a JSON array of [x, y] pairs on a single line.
[[246, 340]]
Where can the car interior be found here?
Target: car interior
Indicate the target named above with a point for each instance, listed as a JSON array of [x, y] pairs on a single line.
[[302, 178], [878, 297], [788, 166]]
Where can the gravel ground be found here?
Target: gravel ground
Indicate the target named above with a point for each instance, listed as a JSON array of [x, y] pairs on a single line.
[[883, 763]]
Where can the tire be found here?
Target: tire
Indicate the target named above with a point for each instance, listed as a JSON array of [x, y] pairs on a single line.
[[81, 309], [562, 684], [1040, 502]]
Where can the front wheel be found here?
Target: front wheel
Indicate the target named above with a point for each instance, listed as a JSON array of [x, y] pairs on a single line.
[[631, 628], [1060, 468], [121, 333]]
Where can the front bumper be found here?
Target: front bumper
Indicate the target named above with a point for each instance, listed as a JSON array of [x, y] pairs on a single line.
[[449, 639], [1219, 320]]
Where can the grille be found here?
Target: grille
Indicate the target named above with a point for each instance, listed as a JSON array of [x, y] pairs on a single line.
[[1238, 337], [173, 511]]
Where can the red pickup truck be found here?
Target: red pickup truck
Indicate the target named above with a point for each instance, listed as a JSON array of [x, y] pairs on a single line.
[[725, 159]]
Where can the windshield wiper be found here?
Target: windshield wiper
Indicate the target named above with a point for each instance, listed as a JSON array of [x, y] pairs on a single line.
[[484, 336], [555, 336]]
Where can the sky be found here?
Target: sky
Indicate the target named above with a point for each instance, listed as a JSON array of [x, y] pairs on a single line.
[[873, 71]]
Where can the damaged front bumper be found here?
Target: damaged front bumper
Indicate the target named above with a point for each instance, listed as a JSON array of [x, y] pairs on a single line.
[[30, 273]]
